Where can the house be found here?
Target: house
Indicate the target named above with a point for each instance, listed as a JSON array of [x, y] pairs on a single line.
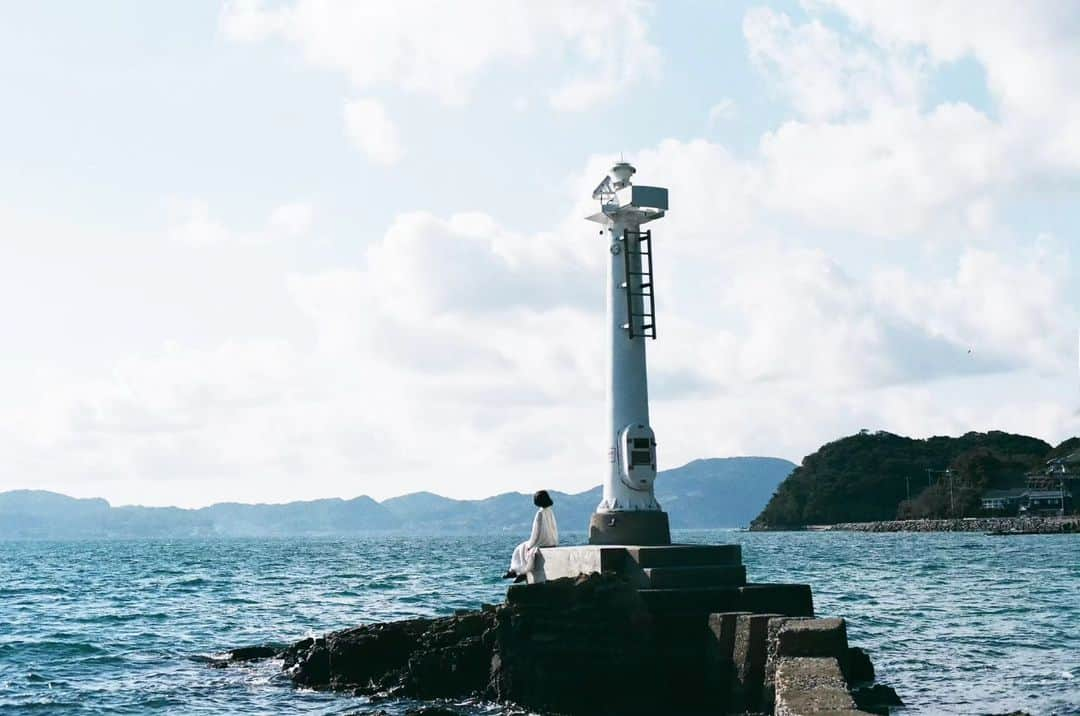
[[1027, 501], [1057, 474], [1003, 500], [1045, 502]]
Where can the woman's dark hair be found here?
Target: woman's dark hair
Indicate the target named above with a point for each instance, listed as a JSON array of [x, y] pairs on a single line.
[[542, 499]]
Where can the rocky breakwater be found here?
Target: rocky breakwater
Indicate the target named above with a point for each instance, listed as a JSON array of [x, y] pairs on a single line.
[[994, 525], [589, 645]]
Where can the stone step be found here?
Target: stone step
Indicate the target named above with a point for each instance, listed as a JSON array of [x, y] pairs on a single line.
[[787, 599], [704, 600], [686, 555], [728, 575]]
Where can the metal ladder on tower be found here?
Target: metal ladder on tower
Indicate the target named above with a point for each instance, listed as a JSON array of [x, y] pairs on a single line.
[[637, 255]]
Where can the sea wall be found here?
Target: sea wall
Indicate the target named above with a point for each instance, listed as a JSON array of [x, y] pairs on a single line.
[[1004, 525]]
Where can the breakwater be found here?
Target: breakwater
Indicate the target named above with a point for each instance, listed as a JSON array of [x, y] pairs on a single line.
[[991, 525], [561, 647]]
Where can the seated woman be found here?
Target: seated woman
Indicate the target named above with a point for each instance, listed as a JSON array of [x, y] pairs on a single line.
[[545, 533]]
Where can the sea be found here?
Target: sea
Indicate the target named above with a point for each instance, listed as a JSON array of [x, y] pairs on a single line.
[[956, 623]]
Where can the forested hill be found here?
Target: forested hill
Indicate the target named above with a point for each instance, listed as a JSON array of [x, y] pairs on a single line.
[[865, 477]]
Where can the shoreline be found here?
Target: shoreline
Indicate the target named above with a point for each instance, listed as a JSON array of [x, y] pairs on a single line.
[[1069, 524]]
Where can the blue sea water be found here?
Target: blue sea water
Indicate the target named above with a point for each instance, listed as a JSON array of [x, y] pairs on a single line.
[[957, 623]]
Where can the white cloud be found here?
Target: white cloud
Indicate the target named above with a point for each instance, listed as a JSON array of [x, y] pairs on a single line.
[[292, 219], [784, 319], [191, 223], [722, 111], [1027, 50], [371, 131], [461, 331], [894, 173], [443, 49], [867, 154], [825, 74], [1013, 309]]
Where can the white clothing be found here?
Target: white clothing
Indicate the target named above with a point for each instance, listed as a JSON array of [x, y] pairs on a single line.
[[545, 533]]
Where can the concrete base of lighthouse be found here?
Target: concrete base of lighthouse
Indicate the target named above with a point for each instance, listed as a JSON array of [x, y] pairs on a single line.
[[645, 527], [676, 579]]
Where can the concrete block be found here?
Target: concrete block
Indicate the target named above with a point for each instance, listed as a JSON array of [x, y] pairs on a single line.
[[686, 555], [772, 656], [719, 652], [722, 628], [648, 527], [813, 637], [669, 566], [729, 575], [558, 562], [811, 685], [791, 600], [749, 654], [701, 601]]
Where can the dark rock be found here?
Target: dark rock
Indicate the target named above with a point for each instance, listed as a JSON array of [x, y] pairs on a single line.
[[858, 669], [877, 698], [245, 654], [254, 653], [427, 658]]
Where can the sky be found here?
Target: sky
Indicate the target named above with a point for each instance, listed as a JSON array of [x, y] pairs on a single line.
[[267, 251]]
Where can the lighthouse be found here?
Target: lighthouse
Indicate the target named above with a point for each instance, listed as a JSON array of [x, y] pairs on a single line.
[[628, 513]]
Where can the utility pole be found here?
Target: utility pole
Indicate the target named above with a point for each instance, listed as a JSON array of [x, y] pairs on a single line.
[[952, 502], [907, 479]]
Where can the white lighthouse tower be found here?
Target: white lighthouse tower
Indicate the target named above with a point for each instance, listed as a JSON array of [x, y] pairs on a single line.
[[629, 514]]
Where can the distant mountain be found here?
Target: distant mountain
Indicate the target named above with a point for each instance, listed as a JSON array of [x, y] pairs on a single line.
[[865, 477], [720, 492]]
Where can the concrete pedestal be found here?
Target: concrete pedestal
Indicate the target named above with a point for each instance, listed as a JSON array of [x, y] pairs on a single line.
[[677, 579], [645, 527]]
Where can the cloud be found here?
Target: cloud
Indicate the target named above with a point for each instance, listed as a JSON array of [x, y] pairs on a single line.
[[460, 331], [371, 131], [1027, 50], [191, 221], [893, 174], [458, 353], [468, 264], [824, 74], [722, 111], [1009, 307], [292, 219], [442, 50], [868, 152]]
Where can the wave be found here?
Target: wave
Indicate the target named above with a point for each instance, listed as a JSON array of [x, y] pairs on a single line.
[[51, 648]]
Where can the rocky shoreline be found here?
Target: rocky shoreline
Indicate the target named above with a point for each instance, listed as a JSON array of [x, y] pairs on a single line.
[[986, 525]]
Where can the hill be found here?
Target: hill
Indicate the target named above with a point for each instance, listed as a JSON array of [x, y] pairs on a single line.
[[866, 477], [721, 492]]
